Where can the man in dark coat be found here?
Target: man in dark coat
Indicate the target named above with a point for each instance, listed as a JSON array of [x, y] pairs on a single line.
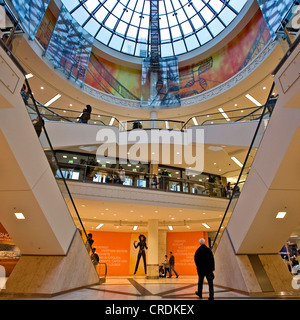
[[205, 264]]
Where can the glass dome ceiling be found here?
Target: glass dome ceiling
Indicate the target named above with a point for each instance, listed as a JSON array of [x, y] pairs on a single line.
[[184, 25]]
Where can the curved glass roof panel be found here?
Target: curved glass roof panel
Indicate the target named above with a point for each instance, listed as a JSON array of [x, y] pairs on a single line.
[[124, 25]]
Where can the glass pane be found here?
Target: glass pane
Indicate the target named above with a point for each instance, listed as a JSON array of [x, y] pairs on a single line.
[[176, 15]]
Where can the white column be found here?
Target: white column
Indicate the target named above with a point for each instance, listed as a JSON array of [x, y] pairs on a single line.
[[152, 265], [153, 117]]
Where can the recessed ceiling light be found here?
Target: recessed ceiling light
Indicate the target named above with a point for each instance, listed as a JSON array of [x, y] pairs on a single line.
[[29, 75], [206, 225], [248, 96], [47, 104], [195, 121], [224, 114], [170, 227], [100, 225], [135, 228], [111, 121], [280, 215], [237, 161], [19, 215], [42, 88]]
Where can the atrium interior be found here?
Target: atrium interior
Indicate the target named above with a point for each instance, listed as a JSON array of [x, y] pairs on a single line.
[[193, 132]]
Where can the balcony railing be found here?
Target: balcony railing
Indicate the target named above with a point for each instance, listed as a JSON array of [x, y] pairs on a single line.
[[103, 175]]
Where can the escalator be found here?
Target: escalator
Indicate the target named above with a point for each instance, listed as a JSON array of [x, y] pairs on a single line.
[[259, 220], [47, 235]]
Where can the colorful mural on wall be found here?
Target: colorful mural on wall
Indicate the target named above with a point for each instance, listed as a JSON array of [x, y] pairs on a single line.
[[113, 79], [226, 62], [206, 74]]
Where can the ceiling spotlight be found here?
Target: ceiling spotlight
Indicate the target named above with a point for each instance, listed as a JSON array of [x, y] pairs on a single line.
[[135, 228], [100, 225], [206, 225], [170, 227], [19, 215], [280, 215]]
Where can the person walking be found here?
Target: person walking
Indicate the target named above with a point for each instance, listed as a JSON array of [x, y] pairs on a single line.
[[172, 264], [205, 264]]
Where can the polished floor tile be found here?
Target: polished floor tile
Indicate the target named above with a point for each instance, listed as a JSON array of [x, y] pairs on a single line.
[[163, 289]]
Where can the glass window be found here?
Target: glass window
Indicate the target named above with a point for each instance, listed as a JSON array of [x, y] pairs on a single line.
[[227, 15], [92, 27], [81, 15], [216, 27], [193, 22], [116, 42]]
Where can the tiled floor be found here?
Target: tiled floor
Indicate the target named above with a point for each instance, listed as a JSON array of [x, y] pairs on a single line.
[[140, 288]]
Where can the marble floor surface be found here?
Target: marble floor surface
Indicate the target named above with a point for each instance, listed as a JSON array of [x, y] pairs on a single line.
[[163, 289]]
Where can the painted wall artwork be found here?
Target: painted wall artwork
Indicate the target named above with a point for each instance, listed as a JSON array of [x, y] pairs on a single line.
[[124, 81], [114, 79], [226, 62]]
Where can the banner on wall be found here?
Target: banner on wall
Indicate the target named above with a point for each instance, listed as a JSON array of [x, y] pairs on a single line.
[[8, 248], [274, 11], [113, 249], [183, 246], [30, 14], [70, 47]]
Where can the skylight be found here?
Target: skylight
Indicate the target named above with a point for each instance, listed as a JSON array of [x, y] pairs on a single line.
[[124, 25]]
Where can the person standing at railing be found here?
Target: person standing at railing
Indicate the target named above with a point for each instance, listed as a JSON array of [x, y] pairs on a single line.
[[25, 94], [121, 175], [154, 181], [85, 115], [228, 190]]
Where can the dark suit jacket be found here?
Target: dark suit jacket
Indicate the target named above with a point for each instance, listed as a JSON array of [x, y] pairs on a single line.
[[204, 260]]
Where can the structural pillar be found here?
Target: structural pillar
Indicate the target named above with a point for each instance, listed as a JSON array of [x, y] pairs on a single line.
[[152, 266]]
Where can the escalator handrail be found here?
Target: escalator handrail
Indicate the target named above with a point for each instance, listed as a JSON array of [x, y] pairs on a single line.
[[217, 113]]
